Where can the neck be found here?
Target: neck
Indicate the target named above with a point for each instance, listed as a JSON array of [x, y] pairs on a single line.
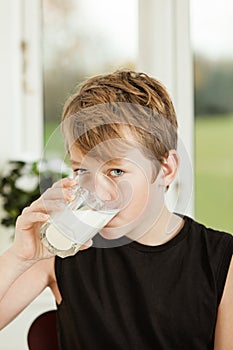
[[167, 226]]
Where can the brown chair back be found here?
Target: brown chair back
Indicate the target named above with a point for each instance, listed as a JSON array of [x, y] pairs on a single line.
[[42, 334]]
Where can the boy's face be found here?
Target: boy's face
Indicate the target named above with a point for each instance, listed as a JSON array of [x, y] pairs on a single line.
[[143, 199]]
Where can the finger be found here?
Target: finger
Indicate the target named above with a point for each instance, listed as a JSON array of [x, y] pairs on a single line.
[[59, 193], [87, 244], [47, 206], [25, 210], [66, 182], [26, 221]]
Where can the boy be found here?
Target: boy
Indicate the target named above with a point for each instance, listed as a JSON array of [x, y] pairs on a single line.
[[167, 281]]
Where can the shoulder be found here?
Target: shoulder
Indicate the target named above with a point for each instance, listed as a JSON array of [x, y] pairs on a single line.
[[218, 243], [214, 239], [218, 246], [224, 324], [198, 225], [214, 248]]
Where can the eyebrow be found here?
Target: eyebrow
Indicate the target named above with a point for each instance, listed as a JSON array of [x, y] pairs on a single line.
[[74, 162], [115, 161]]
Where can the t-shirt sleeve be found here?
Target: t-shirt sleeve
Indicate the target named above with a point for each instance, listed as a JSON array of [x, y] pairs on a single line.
[[224, 264]]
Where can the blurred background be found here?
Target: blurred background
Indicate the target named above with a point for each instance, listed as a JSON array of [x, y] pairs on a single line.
[[83, 38], [212, 46], [50, 46]]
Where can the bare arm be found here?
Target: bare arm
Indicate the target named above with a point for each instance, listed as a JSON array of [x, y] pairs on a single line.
[[224, 325], [22, 284], [24, 267], [27, 267]]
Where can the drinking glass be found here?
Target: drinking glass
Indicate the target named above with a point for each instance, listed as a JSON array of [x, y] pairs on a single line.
[[97, 200]]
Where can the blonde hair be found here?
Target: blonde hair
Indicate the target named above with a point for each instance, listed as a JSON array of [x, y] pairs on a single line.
[[111, 106]]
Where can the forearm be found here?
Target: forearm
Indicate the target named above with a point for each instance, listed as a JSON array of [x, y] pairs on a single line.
[[11, 267], [27, 266], [21, 282]]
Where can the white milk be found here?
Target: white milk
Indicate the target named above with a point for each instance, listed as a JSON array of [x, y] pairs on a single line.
[[64, 240], [94, 218], [57, 239]]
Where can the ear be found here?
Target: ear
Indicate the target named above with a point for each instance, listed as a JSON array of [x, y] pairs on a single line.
[[169, 168]]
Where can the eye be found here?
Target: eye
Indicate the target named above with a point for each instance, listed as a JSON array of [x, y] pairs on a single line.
[[80, 171], [116, 172]]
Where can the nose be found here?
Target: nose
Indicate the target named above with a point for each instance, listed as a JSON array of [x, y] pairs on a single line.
[[105, 188]]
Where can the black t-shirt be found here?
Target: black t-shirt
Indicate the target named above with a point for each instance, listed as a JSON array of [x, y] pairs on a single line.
[[138, 297]]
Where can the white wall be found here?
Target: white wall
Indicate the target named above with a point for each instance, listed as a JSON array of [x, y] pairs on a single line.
[[165, 53], [21, 118]]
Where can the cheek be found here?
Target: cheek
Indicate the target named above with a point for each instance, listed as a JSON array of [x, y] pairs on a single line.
[[138, 201]]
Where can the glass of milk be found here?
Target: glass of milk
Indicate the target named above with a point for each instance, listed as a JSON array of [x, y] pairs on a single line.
[[65, 232]]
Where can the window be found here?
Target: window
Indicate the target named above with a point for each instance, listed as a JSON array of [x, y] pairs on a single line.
[[211, 23], [82, 38]]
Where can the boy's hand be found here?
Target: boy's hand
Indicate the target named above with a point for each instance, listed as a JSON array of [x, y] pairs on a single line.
[[27, 245]]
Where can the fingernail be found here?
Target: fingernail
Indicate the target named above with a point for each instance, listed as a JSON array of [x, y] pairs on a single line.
[[70, 197]]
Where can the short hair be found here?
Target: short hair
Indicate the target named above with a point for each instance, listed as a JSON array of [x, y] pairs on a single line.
[[135, 100]]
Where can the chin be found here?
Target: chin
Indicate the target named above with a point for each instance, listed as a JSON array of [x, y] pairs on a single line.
[[115, 232], [111, 233]]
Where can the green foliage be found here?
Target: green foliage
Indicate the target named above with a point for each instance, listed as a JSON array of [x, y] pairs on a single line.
[[214, 172], [213, 87], [22, 183]]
